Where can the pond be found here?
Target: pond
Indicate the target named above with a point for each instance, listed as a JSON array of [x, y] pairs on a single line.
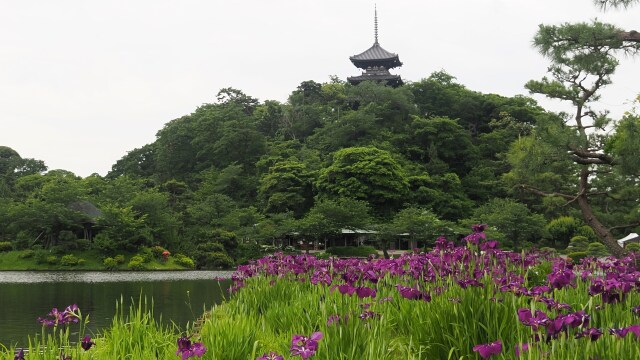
[[178, 297]]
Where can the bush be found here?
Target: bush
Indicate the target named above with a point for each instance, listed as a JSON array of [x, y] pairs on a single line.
[[157, 251], [217, 261], [136, 263], [27, 254], [83, 244], [110, 263], [184, 261], [105, 244], [352, 251], [323, 256], [6, 246], [577, 256], [40, 256], [119, 259], [69, 260], [146, 254], [52, 260], [597, 249], [578, 243], [245, 252], [635, 247]]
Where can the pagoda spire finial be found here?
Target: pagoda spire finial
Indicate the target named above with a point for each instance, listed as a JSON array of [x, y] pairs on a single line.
[[375, 22]]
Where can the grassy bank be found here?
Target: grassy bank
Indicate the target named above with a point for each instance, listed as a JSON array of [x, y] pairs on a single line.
[[86, 260]]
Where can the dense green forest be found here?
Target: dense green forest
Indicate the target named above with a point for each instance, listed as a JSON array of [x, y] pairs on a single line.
[[426, 159]]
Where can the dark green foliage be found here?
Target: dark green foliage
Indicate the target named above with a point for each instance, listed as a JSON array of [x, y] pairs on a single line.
[[578, 243], [215, 261], [352, 251]]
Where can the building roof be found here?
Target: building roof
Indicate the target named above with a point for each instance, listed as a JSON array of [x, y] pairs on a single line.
[[376, 56], [630, 237], [391, 80]]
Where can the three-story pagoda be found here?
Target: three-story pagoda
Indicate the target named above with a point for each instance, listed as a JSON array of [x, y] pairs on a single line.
[[376, 62]]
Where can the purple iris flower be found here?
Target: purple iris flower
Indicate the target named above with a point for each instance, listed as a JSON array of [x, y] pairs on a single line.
[[592, 333], [488, 350], [19, 355], [87, 343], [71, 314], [539, 320], [187, 349], [303, 346], [635, 329], [363, 292], [271, 356], [413, 293], [520, 348]]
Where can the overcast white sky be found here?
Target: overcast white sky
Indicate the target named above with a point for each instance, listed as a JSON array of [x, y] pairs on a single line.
[[82, 82]]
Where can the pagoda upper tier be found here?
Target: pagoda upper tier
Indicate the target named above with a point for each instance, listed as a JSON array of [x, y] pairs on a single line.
[[376, 56]]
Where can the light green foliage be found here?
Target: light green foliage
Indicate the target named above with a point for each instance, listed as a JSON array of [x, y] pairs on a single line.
[[329, 217], [561, 230], [635, 247], [364, 173], [110, 263], [578, 243], [512, 219], [136, 263], [184, 261], [597, 249], [286, 187], [6, 246], [69, 260]]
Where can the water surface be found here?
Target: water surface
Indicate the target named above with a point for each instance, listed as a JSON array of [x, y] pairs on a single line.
[[178, 297]]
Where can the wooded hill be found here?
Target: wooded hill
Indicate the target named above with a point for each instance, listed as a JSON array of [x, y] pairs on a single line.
[[426, 159]]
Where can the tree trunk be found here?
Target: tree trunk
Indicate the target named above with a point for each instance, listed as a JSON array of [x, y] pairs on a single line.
[[590, 218]]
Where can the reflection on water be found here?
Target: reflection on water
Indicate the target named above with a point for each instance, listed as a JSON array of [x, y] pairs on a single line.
[[178, 297]]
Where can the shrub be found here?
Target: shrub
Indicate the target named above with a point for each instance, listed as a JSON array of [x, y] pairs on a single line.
[[217, 261], [40, 256], [635, 247], [6, 246], [597, 249], [245, 252], [81, 262], [578, 243], [577, 256], [136, 263], [184, 261], [110, 263], [323, 255], [157, 251], [69, 260], [119, 259], [52, 260], [83, 244], [27, 254], [104, 243], [352, 251], [146, 254]]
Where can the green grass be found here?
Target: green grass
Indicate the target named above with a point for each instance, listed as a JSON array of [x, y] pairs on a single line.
[[93, 261]]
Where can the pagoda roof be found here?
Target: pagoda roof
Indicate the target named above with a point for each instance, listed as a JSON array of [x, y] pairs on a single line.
[[389, 79], [376, 56]]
